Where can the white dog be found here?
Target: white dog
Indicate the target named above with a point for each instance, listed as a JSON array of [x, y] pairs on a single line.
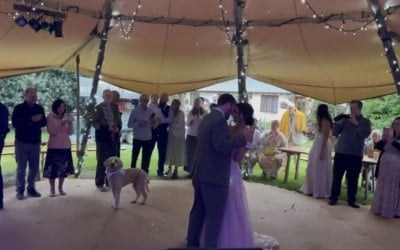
[[119, 177]]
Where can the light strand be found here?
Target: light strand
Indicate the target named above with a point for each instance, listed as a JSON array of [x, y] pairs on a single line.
[[127, 28], [227, 27], [366, 20]]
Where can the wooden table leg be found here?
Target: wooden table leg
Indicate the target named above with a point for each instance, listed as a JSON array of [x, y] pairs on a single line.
[[287, 168], [366, 170], [296, 174], [373, 178]]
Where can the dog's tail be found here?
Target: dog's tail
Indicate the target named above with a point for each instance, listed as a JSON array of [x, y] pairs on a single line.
[[147, 186]]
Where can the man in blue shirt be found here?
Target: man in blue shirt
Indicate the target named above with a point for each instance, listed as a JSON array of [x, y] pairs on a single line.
[[28, 120], [141, 120]]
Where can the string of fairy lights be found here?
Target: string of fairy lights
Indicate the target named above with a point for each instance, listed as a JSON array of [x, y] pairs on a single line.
[[126, 28], [365, 21], [227, 27]]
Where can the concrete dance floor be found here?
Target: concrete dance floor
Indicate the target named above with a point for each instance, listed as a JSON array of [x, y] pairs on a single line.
[[84, 220]]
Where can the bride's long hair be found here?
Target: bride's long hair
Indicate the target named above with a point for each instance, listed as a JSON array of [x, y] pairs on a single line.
[[246, 111]]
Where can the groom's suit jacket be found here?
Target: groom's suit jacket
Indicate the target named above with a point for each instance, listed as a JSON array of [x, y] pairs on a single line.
[[214, 149]]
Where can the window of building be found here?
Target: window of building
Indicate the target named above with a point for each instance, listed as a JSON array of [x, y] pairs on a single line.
[[269, 103]]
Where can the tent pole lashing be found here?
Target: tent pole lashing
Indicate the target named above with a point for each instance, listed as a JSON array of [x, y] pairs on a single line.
[[92, 100], [386, 38]]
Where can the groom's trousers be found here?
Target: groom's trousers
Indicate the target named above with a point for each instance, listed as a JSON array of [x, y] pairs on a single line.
[[208, 207]]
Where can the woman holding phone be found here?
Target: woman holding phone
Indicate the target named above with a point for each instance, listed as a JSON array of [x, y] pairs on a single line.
[[387, 196], [59, 157]]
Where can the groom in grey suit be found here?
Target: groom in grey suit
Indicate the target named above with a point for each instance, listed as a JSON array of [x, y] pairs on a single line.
[[212, 172]]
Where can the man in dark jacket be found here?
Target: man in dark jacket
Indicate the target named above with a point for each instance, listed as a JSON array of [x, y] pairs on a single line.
[[107, 122], [28, 120], [3, 133]]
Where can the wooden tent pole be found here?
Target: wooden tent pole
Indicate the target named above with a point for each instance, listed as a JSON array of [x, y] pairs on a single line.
[[386, 39], [92, 100], [240, 42]]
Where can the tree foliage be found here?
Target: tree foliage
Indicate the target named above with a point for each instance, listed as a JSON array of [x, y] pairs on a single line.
[[382, 111], [51, 85]]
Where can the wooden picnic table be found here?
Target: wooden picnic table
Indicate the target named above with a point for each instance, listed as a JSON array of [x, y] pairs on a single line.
[[294, 150]]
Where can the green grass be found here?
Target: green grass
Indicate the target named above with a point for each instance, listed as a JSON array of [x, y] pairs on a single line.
[[88, 171]]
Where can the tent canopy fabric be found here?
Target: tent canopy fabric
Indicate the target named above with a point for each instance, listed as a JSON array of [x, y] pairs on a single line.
[[286, 48]]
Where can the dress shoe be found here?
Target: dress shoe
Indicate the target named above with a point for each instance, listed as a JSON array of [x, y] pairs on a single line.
[[34, 193], [332, 202], [102, 189], [20, 196], [354, 205], [1, 205]]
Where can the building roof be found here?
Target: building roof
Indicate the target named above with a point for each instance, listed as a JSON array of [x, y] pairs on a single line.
[[252, 86], [86, 86]]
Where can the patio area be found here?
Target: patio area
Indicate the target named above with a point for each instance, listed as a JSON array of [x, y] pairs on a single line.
[[84, 220]]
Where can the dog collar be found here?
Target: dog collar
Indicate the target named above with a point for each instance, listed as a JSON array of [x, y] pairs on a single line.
[[110, 174]]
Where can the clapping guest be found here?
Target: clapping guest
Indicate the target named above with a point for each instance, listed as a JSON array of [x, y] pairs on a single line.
[[193, 121], [176, 140], [59, 162], [387, 195], [163, 119], [270, 159], [28, 119], [141, 120], [107, 122], [115, 102]]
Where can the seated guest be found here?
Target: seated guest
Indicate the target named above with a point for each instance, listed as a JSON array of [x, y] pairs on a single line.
[[251, 157], [372, 141], [387, 195], [270, 159], [369, 151]]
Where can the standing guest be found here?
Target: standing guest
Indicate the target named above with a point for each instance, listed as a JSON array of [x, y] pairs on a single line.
[[28, 119], [157, 113], [163, 117], [270, 158], [387, 195], [293, 125], [115, 101], [318, 179], [351, 133], [154, 103], [193, 121], [3, 133], [141, 121], [106, 121], [59, 162], [176, 140]]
